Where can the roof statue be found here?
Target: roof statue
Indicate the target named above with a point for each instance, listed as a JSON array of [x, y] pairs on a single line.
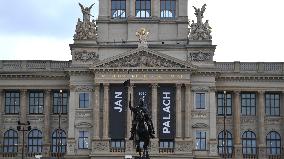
[[200, 30], [86, 29], [142, 35]]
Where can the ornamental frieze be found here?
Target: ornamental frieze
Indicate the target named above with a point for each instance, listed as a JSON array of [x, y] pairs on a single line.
[[272, 121], [199, 114], [248, 120], [220, 120], [83, 114], [84, 88], [183, 146], [199, 56], [100, 146], [142, 59], [85, 56]]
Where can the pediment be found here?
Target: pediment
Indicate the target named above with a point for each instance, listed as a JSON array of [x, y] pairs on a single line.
[[143, 57]]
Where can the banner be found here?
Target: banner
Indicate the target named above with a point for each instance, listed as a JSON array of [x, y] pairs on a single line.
[[166, 108], [117, 111], [142, 91]]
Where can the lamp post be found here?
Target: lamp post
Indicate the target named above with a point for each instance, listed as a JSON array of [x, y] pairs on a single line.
[[225, 116], [23, 127], [59, 142]]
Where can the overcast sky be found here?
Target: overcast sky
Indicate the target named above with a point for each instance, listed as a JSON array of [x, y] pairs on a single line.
[[243, 30]]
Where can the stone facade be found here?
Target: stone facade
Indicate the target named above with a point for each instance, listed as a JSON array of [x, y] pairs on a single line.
[[170, 57]]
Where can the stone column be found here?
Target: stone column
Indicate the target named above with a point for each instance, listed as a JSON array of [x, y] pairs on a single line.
[[178, 112], [212, 122], [47, 137], [188, 108], [260, 123], [23, 105], [96, 112], [156, 9], [155, 141], [237, 124], [106, 112], [129, 143], [132, 8], [71, 142]]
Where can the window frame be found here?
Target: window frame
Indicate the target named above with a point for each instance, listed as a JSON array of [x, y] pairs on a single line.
[[86, 102], [119, 10], [199, 140], [164, 9], [272, 107], [229, 147], [276, 141], [229, 102], [83, 139], [35, 141], [247, 109], [146, 10], [36, 107], [58, 135], [200, 106], [251, 141], [56, 102], [11, 147], [12, 102]]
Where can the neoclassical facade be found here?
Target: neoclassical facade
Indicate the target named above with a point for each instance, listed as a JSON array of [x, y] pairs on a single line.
[[79, 108]]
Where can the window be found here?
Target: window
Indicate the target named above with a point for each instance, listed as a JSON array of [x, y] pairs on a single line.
[[143, 8], [35, 141], [168, 8], [248, 104], [118, 9], [117, 144], [166, 144], [249, 143], [273, 143], [83, 140], [84, 101], [36, 103], [58, 142], [10, 141], [60, 102], [220, 104], [200, 142], [229, 143], [200, 100], [272, 104], [12, 102]]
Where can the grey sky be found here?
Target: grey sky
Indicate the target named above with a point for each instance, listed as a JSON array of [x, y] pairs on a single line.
[[244, 30]]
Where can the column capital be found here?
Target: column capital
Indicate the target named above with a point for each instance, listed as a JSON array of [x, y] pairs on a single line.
[[212, 89], [155, 85], [106, 85], [47, 91], [261, 91], [23, 90], [237, 92], [178, 85], [187, 85]]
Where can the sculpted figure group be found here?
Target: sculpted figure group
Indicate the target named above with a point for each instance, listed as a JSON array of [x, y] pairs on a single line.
[[200, 30]]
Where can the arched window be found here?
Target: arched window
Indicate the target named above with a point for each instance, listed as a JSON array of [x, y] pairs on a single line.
[[168, 8], [249, 143], [35, 141], [10, 141], [273, 143], [143, 8], [58, 141], [229, 143], [118, 8]]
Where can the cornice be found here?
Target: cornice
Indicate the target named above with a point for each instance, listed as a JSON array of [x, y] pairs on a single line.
[[251, 78]]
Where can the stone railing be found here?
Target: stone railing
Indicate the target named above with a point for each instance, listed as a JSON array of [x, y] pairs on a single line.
[[257, 67], [26, 65]]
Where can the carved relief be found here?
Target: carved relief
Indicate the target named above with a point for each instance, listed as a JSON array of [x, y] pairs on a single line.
[[83, 125], [183, 146], [200, 89], [83, 114], [154, 147], [220, 120], [200, 125], [84, 88], [199, 56], [248, 120], [199, 114], [272, 121], [142, 59], [100, 146], [85, 56], [213, 149]]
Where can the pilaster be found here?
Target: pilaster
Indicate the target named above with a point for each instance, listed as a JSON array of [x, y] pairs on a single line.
[[47, 107], [260, 122], [178, 112], [106, 111], [129, 117], [71, 143], [23, 105], [188, 108], [96, 111], [1, 115], [237, 124], [154, 107], [213, 130]]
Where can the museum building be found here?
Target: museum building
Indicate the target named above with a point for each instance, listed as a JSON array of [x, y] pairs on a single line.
[[200, 108]]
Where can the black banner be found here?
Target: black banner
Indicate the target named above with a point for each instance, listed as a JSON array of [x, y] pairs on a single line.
[[117, 111], [142, 91], [167, 104]]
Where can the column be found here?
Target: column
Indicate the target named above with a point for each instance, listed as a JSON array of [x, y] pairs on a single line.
[[260, 116], [104, 8], [178, 112], [71, 142], [129, 117], [23, 105], [47, 108], [96, 112], [212, 117], [188, 108], [237, 124], [131, 8], [156, 9], [106, 111]]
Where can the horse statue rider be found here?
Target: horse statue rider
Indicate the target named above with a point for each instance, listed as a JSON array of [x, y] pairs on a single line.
[[141, 110]]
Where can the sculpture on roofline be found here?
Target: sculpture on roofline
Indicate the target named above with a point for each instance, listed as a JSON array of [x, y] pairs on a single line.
[[200, 30], [86, 29], [142, 35]]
